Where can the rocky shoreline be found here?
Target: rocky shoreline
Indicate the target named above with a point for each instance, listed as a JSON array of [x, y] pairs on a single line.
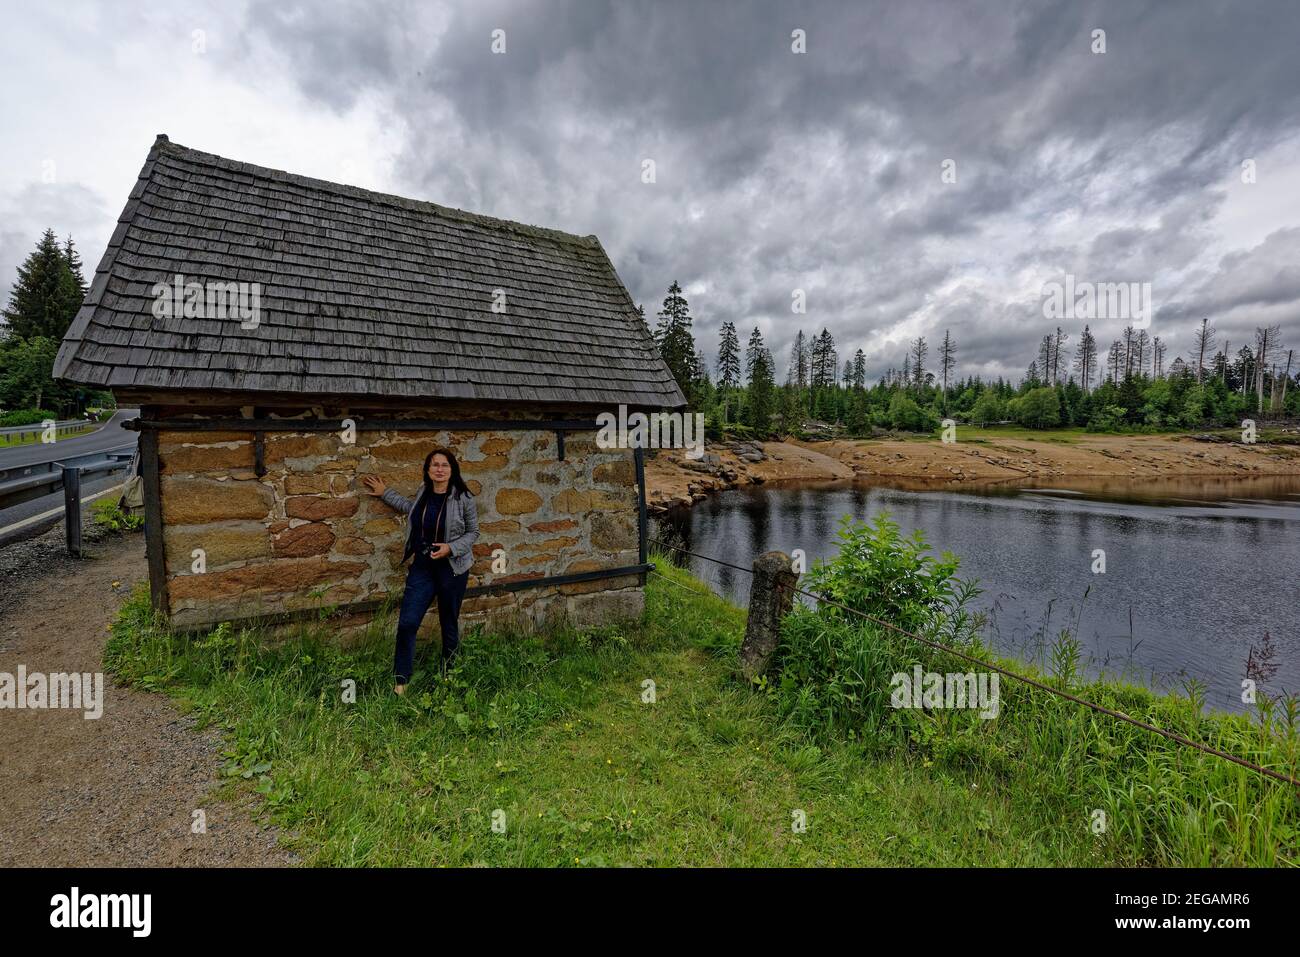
[[672, 479]]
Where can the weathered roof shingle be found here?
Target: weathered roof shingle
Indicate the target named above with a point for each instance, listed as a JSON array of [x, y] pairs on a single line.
[[361, 294]]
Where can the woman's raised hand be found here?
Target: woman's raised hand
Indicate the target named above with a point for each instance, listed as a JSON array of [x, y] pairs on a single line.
[[374, 484]]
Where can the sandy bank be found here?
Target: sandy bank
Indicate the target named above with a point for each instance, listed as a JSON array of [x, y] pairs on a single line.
[[672, 479]]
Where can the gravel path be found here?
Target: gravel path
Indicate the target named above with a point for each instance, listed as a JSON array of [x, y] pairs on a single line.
[[117, 791]]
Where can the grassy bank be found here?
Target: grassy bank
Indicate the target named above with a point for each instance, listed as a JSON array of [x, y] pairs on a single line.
[[554, 733]]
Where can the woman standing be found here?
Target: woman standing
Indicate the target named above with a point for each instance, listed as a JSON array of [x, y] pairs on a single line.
[[442, 527]]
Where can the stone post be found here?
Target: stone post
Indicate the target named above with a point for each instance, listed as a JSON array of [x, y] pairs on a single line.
[[770, 599]]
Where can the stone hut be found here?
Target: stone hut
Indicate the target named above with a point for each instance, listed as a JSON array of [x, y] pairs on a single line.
[[284, 336]]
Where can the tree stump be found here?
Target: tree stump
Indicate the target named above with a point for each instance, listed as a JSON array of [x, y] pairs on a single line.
[[770, 599]]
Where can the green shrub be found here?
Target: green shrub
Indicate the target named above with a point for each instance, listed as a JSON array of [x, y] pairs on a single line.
[[988, 408], [109, 516], [836, 668], [884, 574], [1037, 408], [25, 417], [905, 414]]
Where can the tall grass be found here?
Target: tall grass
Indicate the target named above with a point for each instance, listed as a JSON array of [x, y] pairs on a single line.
[[1163, 803], [553, 731]]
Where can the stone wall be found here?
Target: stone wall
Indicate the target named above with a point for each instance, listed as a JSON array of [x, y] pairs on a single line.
[[306, 535]]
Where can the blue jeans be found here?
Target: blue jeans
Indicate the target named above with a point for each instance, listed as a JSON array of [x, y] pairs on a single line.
[[426, 581]]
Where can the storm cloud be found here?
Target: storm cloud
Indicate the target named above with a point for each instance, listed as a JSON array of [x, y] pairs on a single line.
[[775, 170]]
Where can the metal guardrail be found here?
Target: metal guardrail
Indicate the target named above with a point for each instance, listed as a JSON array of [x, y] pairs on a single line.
[[66, 425], [22, 483]]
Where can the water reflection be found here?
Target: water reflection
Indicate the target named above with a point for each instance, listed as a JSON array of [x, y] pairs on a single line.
[[1198, 570]]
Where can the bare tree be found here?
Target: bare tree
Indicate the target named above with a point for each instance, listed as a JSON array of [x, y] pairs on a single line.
[[1115, 360], [1286, 377], [1129, 336], [1085, 358], [1265, 339], [1158, 350], [947, 361], [1204, 344]]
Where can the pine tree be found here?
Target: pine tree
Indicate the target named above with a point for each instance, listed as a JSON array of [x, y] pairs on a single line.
[[859, 369], [919, 352], [46, 296], [73, 259], [824, 367], [754, 354], [797, 374], [729, 357], [674, 338], [758, 412], [1058, 341]]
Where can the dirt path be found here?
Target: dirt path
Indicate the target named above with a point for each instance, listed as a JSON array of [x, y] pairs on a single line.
[[120, 790]]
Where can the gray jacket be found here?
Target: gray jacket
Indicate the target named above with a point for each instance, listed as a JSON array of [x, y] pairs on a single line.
[[461, 523]]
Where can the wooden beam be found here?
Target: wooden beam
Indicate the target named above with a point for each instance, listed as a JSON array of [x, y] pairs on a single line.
[[145, 425], [153, 522], [374, 604]]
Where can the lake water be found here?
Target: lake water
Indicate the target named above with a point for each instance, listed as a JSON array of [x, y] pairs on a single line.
[[1197, 570]]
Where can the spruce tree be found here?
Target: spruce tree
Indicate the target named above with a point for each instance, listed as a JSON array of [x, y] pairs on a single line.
[[73, 259], [729, 357], [46, 296], [673, 336], [754, 354]]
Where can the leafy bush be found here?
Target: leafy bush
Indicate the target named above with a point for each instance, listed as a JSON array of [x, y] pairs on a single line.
[[1037, 408], [1107, 419], [25, 417], [880, 572], [835, 667], [109, 516], [988, 408], [905, 414]]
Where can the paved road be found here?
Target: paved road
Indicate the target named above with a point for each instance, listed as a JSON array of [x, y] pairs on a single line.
[[110, 435], [14, 524]]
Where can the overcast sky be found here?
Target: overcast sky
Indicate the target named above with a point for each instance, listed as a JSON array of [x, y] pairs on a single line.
[[774, 170]]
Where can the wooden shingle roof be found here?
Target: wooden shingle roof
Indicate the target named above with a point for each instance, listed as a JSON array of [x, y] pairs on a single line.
[[361, 294]]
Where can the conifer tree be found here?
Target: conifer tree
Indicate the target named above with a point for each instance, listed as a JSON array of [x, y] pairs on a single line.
[[46, 296]]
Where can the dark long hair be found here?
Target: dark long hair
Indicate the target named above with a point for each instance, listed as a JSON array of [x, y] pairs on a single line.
[[456, 482]]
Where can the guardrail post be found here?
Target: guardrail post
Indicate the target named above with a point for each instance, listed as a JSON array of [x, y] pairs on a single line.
[[770, 598], [72, 509]]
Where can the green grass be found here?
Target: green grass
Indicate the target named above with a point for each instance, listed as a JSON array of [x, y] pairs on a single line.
[[552, 731], [10, 441], [997, 433]]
